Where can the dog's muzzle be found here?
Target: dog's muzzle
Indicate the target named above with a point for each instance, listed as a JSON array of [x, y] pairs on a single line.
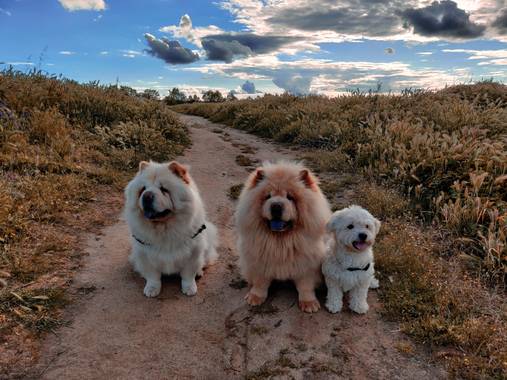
[[361, 243], [149, 211], [276, 223]]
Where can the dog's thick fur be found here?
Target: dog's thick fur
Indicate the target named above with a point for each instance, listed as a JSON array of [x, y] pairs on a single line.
[[290, 246], [164, 211], [354, 230]]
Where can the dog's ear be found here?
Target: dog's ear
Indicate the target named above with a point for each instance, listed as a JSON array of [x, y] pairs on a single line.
[[334, 223], [377, 225], [330, 225], [308, 179], [257, 177], [180, 171], [143, 165]]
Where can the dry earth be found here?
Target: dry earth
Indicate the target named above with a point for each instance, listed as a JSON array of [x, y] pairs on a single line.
[[116, 333]]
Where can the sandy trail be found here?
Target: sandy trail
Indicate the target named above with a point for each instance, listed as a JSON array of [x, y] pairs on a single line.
[[117, 333]]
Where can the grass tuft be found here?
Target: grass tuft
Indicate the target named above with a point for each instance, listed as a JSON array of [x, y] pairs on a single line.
[[235, 191]]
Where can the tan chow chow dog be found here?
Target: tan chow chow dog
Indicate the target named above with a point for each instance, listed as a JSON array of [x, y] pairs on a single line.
[[281, 219]]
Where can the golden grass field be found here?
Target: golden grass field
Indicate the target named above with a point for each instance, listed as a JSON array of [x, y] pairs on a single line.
[[66, 151], [433, 167]]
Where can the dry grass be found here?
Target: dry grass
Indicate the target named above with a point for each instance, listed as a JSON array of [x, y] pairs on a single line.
[[235, 191], [243, 160], [432, 166], [63, 148]]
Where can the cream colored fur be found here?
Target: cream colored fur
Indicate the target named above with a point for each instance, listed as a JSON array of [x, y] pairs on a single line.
[[168, 244]]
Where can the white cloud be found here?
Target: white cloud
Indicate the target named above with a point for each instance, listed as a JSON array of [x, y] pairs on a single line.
[[425, 53], [328, 77], [67, 52], [345, 20], [187, 31], [500, 62], [104, 52], [487, 57], [19, 63], [5, 12], [131, 53], [83, 5]]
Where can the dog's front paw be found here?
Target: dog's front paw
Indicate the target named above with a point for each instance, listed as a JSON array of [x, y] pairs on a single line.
[[334, 306], [359, 307], [152, 289], [374, 284], [189, 288], [253, 299], [311, 306]]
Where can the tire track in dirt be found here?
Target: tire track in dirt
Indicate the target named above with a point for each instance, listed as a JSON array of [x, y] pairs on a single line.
[[116, 332]]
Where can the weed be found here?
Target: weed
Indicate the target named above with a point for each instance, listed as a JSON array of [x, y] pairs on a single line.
[[235, 191], [243, 160]]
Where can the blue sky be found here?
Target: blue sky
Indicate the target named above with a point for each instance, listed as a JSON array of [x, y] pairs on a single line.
[[299, 46]]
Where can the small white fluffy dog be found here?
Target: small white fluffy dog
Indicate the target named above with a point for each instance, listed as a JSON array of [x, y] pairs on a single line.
[[167, 221], [349, 265]]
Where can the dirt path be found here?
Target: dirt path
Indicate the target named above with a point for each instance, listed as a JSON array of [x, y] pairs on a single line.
[[116, 332]]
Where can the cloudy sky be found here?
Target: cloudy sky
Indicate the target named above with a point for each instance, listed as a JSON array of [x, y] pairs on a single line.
[[256, 46]]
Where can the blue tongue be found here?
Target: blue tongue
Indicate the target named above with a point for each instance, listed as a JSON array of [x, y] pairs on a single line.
[[277, 225]]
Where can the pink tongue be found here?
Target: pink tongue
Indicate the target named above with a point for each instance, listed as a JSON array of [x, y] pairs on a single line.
[[361, 245]]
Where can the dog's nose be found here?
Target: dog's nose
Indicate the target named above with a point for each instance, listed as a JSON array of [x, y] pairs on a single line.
[[362, 236], [276, 210], [148, 198]]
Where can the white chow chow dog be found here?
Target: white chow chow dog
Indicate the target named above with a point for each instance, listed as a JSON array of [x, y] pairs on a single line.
[[167, 221], [349, 265]]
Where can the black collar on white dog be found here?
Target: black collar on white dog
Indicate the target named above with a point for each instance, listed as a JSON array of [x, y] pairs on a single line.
[[356, 269], [202, 228], [139, 240]]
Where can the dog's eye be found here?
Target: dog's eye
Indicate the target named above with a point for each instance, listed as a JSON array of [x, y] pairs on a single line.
[[350, 226], [367, 226], [141, 191], [267, 196], [164, 190], [290, 198]]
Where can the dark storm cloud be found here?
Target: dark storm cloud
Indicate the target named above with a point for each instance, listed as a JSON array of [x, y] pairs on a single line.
[[248, 87], [368, 17], [442, 19], [169, 51], [225, 47], [501, 21]]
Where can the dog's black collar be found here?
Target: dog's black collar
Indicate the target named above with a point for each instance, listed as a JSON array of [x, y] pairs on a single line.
[[202, 228], [139, 240], [356, 269]]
